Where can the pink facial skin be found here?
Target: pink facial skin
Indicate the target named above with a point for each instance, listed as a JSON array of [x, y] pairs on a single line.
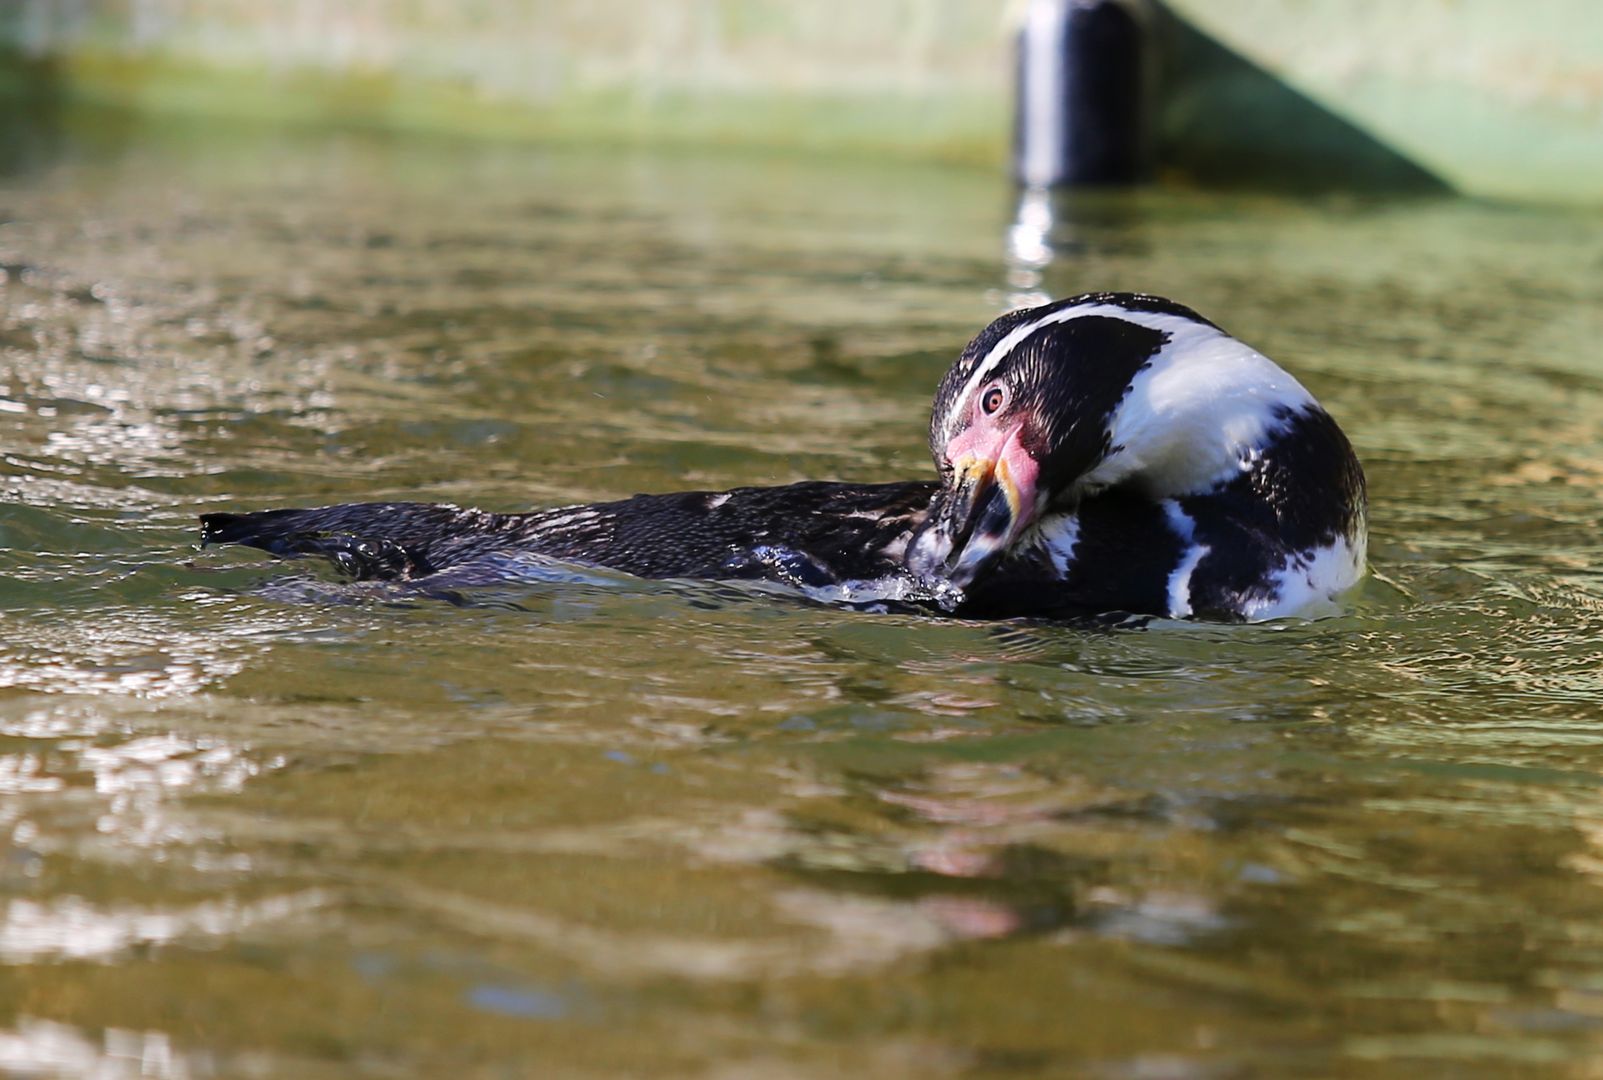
[[987, 453], [990, 448]]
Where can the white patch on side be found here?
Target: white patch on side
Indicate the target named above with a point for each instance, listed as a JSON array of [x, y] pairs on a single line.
[[1204, 404], [1179, 587], [715, 501], [1058, 535], [1308, 583]]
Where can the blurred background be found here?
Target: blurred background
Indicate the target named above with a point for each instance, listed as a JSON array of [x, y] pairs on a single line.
[[257, 822], [1485, 97]]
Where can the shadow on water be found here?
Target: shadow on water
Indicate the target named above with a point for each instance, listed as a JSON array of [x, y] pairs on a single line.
[[1225, 121]]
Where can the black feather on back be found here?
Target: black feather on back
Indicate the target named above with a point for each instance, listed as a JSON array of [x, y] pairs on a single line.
[[814, 533]]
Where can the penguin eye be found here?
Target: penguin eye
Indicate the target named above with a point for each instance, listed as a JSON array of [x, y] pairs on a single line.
[[993, 399]]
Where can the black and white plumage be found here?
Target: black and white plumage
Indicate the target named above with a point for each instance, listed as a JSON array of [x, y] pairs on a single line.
[[1113, 452], [1138, 458]]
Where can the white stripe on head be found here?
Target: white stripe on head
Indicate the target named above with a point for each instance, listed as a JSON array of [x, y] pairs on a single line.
[[1003, 349]]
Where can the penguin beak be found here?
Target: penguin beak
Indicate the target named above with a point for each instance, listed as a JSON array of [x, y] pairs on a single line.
[[989, 501]]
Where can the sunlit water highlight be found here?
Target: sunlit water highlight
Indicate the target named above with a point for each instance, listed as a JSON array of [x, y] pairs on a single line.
[[590, 825]]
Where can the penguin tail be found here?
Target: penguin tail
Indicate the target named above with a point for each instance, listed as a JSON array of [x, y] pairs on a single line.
[[363, 541]]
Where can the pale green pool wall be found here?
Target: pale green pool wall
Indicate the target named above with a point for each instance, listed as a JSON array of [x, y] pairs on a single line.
[[1490, 97], [1494, 97]]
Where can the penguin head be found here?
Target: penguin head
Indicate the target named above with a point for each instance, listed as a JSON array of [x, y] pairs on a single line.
[[1053, 403]]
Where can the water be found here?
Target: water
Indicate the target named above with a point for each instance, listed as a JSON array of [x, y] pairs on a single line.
[[603, 826]]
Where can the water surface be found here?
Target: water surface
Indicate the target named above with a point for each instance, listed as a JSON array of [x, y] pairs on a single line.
[[608, 826]]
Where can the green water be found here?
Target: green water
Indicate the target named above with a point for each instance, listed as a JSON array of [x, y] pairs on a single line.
[[618, 827]]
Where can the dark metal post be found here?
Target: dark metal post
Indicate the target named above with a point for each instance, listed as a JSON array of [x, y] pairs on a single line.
[[1083, 74]]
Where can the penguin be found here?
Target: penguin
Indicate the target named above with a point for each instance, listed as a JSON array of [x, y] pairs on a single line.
[[1107, 454]]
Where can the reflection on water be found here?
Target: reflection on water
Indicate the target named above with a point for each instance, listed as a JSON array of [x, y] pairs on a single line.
[[42, 1048], [622, 827], [70, 929], [1029, 248]]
